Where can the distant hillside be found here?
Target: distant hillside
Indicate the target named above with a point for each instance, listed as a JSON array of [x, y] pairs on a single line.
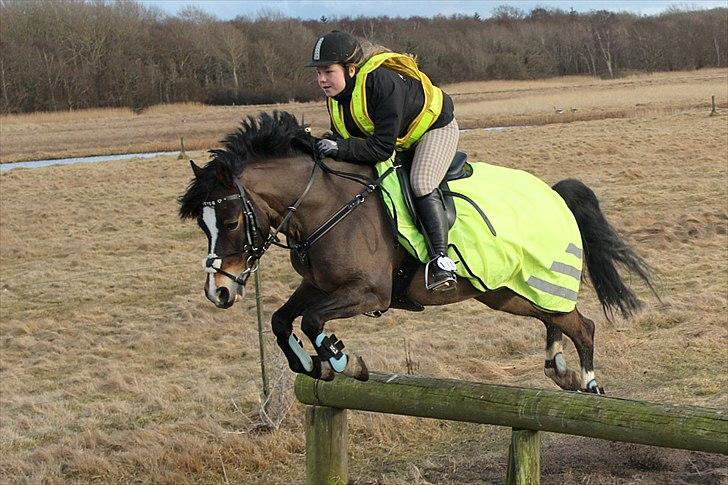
[[71, 54]]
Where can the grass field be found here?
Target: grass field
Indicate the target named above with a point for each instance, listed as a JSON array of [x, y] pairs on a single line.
[[115, 368], [478, 105]]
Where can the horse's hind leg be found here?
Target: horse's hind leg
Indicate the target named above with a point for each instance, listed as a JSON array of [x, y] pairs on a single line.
[[555, 364], [581, 331], [577, 327]]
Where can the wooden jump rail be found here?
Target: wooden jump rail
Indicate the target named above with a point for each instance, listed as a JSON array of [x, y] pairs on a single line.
[[527, 411]]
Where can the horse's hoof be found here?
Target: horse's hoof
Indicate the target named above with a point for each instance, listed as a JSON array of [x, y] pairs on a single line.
[[357, 369], [321, 370], [327, 373], [569, 381], [593, 388]]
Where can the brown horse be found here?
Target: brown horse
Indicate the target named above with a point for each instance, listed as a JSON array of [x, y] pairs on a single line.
[[267, 180]]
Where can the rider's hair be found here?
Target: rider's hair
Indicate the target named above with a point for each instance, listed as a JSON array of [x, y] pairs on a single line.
[[370, 49]]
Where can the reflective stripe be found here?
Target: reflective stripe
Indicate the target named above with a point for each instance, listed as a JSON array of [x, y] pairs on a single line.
[[574, 249], [551, 288], [336, 113], [566, 269]]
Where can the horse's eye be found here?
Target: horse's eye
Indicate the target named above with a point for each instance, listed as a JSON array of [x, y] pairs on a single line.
[[230, 226]]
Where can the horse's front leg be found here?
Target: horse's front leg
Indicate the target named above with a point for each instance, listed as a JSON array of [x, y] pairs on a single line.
[[282, 324], [347, 301]]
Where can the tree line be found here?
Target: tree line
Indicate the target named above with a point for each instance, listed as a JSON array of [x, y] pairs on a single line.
[[72, 54]]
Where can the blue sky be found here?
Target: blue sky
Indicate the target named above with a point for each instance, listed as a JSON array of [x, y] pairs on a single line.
[[314, 9]]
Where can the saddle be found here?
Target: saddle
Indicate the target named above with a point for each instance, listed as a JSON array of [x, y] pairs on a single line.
[[404, 274], [458, 170]]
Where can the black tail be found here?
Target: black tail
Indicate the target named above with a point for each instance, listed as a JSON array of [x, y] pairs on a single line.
[[602, 248]]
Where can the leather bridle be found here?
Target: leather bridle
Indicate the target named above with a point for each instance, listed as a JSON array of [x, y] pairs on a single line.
[[254, 245]]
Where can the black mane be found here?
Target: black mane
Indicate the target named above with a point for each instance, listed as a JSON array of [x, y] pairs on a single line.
[[276, 135]]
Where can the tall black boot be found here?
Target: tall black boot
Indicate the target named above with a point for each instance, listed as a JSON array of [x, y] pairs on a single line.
[[431, 213]]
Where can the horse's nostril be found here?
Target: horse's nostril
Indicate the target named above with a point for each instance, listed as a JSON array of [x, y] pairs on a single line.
[[223, 294]]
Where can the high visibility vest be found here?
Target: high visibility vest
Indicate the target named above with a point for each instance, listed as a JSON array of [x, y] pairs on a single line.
[[404, 65]]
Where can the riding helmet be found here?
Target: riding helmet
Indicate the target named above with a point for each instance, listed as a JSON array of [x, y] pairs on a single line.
[[336, 47]]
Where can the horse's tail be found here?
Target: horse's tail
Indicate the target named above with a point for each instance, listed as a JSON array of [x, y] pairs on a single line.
[[603, 247]]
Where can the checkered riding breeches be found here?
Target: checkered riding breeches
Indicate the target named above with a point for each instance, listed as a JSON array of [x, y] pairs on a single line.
[[432, 158]]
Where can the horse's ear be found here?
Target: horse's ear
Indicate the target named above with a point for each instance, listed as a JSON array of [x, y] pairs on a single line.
[[195, 169]]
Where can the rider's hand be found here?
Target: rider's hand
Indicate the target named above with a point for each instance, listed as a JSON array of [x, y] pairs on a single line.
[[327, 148]]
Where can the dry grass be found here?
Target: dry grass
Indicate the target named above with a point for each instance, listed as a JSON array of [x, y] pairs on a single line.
[[478, 105], [113, 366]]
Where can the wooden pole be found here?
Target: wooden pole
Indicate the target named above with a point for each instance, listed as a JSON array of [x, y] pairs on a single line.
[[714, 112], [326, 446], [686, 427], [524, 458], [182, 153], [261, 339]]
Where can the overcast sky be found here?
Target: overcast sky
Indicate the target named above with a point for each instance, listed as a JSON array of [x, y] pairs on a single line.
[[314, 9]]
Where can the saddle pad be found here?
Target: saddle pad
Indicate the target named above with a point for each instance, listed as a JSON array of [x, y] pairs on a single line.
[[536, 250]]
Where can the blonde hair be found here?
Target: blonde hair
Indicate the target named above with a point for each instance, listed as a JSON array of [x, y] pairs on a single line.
[[369, 49]]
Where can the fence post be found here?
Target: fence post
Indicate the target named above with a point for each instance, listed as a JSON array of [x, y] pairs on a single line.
[[524, 458], [326, 446], [261, 339], [713, 112], [182, 153]]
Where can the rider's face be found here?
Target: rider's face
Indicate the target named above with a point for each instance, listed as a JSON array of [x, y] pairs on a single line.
[[331, 78]]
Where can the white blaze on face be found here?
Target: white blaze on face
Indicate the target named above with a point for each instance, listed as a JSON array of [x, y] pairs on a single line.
[[208, 217]]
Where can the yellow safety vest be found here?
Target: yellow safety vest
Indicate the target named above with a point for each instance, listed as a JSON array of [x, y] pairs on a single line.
[[402, 64]]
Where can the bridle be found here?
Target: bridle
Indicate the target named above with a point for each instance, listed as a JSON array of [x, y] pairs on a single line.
[[254, 245]]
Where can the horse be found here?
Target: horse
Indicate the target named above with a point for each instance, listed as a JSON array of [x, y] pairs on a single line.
[[267, 179]]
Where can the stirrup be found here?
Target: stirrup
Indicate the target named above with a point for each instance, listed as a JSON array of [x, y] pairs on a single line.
[[447, 283]]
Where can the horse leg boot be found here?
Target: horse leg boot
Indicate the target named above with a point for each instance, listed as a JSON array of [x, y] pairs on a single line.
[[349, 300], [298, 359], [555, 364], [431, 213]]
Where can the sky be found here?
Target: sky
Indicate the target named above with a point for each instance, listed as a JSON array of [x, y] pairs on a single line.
[[315, 9]]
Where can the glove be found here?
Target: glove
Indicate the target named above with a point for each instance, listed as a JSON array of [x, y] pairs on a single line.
[[327, 148]]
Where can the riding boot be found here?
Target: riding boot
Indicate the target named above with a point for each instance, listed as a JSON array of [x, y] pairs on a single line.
[[431, 213]]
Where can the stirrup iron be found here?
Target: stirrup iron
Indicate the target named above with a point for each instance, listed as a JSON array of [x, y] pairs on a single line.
[[445, 284]]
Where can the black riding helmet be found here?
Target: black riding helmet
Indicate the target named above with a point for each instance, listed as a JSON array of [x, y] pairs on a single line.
[[335, 48]]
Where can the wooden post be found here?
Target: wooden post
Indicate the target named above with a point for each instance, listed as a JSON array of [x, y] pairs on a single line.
[[182, 153], [524, 458], [714, 112], [261, 340], [326, 446]]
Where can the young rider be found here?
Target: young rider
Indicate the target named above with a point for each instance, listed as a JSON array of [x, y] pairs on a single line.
[[381, 103]]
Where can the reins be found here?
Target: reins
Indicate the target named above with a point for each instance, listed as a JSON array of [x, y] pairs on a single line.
[[252, 228]]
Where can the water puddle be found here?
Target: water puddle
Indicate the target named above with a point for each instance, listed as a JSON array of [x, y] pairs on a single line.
[[497, 128], [128, 156], [67, 161]]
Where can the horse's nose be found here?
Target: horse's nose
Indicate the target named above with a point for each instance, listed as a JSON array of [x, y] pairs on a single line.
[[223, 297]]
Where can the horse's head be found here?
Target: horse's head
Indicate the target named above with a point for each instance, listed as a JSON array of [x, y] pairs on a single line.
[[234, 232], [235, 227]]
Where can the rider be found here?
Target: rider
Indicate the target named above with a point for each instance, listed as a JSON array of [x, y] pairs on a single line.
[[379, 103]]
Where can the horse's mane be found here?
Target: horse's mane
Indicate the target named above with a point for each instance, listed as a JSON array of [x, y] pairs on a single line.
[[276, 135]]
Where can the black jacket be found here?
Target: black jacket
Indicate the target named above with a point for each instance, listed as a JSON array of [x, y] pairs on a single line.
[[393, 102]]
